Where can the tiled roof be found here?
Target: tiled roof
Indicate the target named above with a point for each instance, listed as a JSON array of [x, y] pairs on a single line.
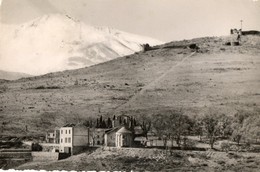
[[112, 130], [69, 125], [123, 130]]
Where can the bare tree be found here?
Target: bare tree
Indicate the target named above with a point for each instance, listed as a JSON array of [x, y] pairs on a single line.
[[212, 127], [160, 123], [146, 126]]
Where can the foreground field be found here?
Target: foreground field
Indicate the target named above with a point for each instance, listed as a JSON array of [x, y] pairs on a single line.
[[153, 160]]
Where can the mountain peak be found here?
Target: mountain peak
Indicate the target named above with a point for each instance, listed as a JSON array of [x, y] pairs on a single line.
[[59, 42]]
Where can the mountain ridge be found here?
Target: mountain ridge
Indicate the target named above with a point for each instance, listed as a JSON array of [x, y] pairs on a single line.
[[63, 37]]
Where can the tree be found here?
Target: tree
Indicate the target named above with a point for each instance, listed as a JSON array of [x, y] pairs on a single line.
[[237, 133], [238, 126], [109, 123], [197, 127], [159, 123], [178, 127], [145, 123], [251, 127], [225, 126], [174, 126], [97, 125], [100, 121], [103, 125], [212, 127], [146, 126], [36, 147]]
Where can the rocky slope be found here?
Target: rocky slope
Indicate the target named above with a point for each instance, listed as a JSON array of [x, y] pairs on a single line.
[[215, 78]]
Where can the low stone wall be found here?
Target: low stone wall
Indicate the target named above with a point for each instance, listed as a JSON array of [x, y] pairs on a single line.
[[15, 150], [15, 155], [45, 156], [63, 155], [48, 147], [79, 149]]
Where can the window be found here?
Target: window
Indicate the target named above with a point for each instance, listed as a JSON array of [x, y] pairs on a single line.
[[65, 131], [69, 131], [61, 131], [66, 140], [69, 140], [61, 140]]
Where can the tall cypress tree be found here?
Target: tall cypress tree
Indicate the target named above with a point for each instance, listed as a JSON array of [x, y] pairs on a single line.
[[97, 126], [109, 123], [100, 121], [103, 125], [120, 120]]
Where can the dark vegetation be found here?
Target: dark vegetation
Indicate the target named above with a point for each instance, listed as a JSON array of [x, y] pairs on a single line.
[[251, 32], [48, 87], [175, 126], [36, 147]]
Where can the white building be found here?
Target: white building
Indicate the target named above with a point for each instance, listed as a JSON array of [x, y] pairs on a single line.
[[73, 138], [124, 138], [110, 137]]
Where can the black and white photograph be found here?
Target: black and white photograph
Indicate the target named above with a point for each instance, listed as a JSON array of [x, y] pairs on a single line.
[[130, 85]]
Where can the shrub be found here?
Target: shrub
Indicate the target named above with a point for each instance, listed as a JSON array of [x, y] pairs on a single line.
[[36, 147], [247, 147], [189, 144], [3, 88], [235, 148], [225, 146]]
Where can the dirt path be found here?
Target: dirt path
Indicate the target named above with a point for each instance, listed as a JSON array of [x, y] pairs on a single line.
[[154, 82]]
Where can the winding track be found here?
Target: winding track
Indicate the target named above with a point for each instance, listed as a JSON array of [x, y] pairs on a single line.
[[151, 84]]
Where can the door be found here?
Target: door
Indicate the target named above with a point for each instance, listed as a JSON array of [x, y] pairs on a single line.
[[67, 150]]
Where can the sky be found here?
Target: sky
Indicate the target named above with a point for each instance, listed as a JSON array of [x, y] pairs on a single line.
[[165, 20]]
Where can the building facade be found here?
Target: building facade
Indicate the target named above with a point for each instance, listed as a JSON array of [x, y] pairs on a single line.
[[110, 137], [97, 136], [73, 138], [50, 137], [124, 138]]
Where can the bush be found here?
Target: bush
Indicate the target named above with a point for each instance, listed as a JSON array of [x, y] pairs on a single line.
[[235, 148], [3, 88], [36, 147], [246, 147], [189, 144], [225, 146]]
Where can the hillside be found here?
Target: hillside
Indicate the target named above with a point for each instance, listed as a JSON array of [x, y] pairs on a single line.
[[12, 75], [216, 78], [58, 42]]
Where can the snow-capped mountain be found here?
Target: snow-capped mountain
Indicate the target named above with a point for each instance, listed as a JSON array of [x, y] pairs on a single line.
[[59, 42]]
